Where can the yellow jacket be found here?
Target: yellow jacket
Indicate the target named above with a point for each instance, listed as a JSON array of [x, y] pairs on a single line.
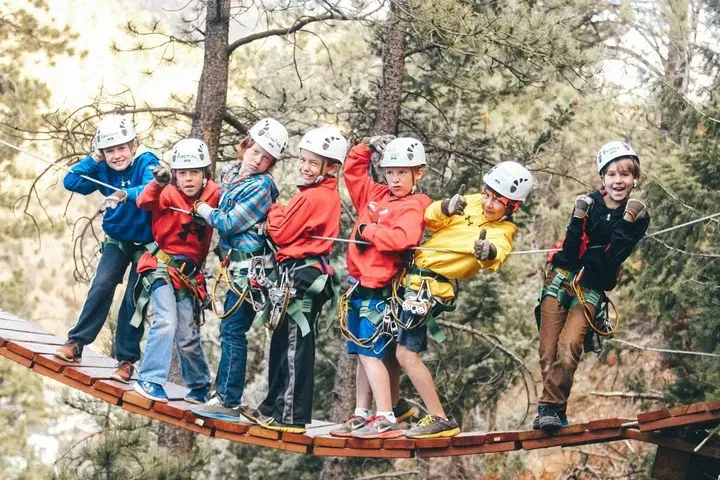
[[459, 233]]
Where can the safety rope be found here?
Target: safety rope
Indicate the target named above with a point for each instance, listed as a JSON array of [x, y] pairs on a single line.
[[589, 314]]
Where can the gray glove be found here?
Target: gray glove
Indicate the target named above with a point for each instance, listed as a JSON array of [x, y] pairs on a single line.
[[484, 250], [634, 210], [378, 142], [455, 205], [162, 175], [112, 201], [583, 203]]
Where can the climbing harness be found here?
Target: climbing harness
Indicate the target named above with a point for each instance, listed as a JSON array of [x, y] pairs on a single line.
[[280, 297], [385, 321], [246, 287], [600, 322]]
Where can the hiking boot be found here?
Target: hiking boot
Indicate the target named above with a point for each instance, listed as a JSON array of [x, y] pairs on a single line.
[[433, 426], [403, 410], [549, 420], [380, 427], [351, 424], [562, 414], [151, 390], [271, 423], [214, 408], [124, 372], [252, 414], [70, 352], [198, 396]]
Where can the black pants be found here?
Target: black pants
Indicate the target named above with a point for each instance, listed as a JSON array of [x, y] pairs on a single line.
[[291, 369]]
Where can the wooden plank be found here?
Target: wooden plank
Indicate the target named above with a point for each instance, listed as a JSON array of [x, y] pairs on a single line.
[[25, 362], [88, 375], [654, 415], [257, 431], [262, 442], [111, 399], [361, 452], [400, 443], [9, 316], [509, 436], [45, 339], [694, 408], [29, 350], [365, 443], [430, 443], [232, 427], [113, 387], [584, 438], [296, 438], [52, 362], [21, 326], [675, 443], [175, 391], [166, 419], [330, 441], [568, 430], [467, 439], [321, 430], [174, 408], [606, 423], [136, 399], [692, 419], [469, 450]]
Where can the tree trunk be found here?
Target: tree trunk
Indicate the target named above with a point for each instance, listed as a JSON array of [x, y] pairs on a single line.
[[393, 71], [676, 67], [212, 90]]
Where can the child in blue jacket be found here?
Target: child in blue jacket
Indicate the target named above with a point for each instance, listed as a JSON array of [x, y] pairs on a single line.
[[118, 161]]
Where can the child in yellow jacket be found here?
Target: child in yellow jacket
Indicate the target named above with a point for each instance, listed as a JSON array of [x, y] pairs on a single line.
[[470, 233]]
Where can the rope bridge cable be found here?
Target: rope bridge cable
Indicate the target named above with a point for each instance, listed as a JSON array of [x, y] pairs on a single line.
[[62, 167], [665, 350]]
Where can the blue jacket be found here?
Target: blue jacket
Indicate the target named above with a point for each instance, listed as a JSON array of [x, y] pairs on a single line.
[[126, 222], [244, 203]]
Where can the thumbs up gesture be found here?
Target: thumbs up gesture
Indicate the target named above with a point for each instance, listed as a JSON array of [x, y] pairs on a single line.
[[484, 250], [455, 205]]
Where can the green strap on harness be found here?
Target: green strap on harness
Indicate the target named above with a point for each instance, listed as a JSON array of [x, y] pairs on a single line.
[[146, 280], [127, 248]]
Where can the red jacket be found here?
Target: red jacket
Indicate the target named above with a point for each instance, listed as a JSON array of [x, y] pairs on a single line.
[[313, 211], [393, 224], [175, 232]]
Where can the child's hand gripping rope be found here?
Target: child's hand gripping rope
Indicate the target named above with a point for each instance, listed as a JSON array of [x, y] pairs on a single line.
[[484, 250], [455, 205], [112, 201]]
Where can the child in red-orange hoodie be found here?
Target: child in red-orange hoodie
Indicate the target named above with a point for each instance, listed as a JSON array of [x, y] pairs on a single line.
[[313, 211], [390, 222], [171, 274]]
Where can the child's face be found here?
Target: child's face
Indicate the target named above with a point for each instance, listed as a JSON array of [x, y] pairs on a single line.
[[618, 180], [119, 157], [401, 180], [313, 165], [256, 160], [493, 208], [190, 180]]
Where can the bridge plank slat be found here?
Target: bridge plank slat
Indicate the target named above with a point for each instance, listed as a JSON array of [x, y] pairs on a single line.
[[136, 399], [536, 434], [113, 387], [44, 339], [174, 408], [21, 326], [25, 362], [106, 397], [166, 419], [29, 349], [654, 415], [330, 441], [89, 375], [262, 442], [676, 443], [360, 452], [467, 439], [584, 438], [469, 450], [684, 420]]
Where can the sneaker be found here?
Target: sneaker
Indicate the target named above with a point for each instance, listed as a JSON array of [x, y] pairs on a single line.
[[214, 408], [124, 372], [549, 420], [70, 352], [403, 410], [252, 414], [198, 396], [433, 426], [351, 424], [271, 423], [380, 427], [151, 390], [562, 414]]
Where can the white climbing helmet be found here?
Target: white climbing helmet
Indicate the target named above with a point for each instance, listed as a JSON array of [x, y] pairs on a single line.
[[325, 141], [403, 152], [271, 136], [190, 153], [612, 151], [510, 179], [114, 130]]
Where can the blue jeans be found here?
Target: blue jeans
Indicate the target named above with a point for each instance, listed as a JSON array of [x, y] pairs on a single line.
[[173, 323], [109, 273], [230, 379]]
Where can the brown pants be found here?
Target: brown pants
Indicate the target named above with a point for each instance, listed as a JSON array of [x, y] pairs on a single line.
[[561, 345]]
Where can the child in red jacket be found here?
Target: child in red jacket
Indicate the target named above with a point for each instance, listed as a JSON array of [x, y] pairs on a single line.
[[172, 279], [390, 221], [305, 277]]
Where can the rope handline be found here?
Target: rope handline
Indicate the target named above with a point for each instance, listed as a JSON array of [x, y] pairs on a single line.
[[665, 350], [62, 167]]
